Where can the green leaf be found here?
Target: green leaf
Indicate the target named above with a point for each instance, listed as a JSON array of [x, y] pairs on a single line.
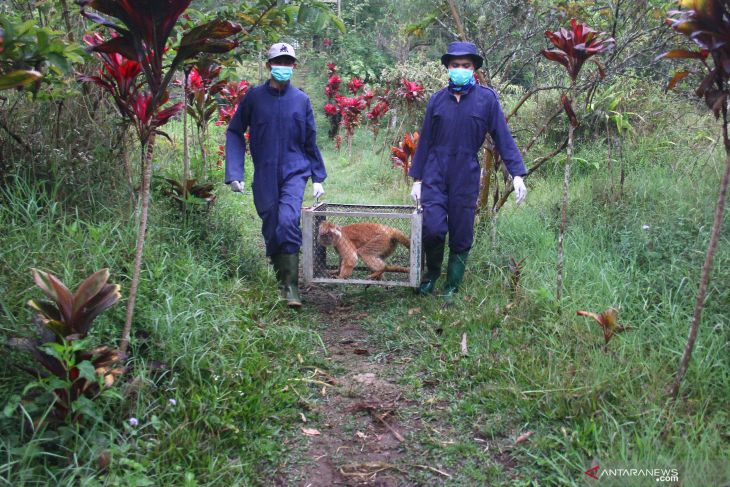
[[17, 78], [11, 405], [59, 61], [42, 39], [87, 371]]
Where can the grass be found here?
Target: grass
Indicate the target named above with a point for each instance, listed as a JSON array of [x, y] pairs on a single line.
[[210, 334]]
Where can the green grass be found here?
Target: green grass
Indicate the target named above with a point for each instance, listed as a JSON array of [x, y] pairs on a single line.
[[210, 334]]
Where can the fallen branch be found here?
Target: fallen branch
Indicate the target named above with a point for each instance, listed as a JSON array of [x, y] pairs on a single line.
[[398, 436], [15, 137]]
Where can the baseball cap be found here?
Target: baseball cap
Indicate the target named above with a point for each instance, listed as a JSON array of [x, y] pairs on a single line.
[[281, 49]]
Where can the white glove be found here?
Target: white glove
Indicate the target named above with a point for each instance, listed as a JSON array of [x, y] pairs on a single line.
[[416, 191], [520, 189], [317, 190], [237, 186]]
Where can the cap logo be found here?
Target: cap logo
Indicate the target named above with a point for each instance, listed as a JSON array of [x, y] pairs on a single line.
[[283, 49]]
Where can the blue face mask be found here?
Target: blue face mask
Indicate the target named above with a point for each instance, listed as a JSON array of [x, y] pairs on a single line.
[[460, 76], [281, 73]]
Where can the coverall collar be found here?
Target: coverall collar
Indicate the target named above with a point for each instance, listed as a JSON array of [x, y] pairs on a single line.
[[462, 94], [276, 92]]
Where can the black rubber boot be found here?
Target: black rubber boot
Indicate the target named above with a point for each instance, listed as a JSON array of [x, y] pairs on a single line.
[[434, 260]]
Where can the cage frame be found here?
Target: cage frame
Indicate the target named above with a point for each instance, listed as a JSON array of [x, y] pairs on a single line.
[[312, 216]]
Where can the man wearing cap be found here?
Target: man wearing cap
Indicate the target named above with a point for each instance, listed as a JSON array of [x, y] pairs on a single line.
[[446, 165], [283, 145]]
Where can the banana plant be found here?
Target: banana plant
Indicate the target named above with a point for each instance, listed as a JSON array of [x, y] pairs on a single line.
[[707, 24], [69, 367], [572, 48], [143, 29]]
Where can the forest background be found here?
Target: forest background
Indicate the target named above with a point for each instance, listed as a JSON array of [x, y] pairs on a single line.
[[206, 379]]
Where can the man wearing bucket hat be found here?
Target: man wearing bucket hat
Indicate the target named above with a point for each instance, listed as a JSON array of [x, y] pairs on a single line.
[[283, 145], [446, 165]]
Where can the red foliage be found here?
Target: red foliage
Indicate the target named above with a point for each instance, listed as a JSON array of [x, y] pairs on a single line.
[[231, 93], [410, 91], [333, 86], [331, 69], [350, 108], [575, 46], [403, 154], [330, 110], [707, 24], [376, 114], [327, 43], [355, 85], [119, 77]]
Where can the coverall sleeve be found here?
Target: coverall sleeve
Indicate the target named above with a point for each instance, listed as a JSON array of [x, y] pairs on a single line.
[[236, 141], [424, 142], [319, 174], [505, 143]]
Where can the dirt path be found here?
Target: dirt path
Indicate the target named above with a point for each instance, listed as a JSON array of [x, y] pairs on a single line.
[[363, 418]]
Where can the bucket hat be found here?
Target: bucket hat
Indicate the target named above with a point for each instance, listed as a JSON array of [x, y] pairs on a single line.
[[462, 49]]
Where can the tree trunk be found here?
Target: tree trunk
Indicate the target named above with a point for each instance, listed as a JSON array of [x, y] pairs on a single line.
[[201, 141], [148, 150], [127, 165], [67, 20], [186, 151], [610, 156], [706, 268], [622, 172], [564, 207]]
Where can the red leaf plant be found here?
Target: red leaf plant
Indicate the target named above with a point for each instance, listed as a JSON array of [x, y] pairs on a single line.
[[355, 85], [575, 46], [402, 155], [231, 95], [410, 91], [707, 24], [332, 90], [376, 114], [143, 28]]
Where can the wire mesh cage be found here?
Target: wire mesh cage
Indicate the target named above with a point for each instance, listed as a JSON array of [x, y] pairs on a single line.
[[365, 223]]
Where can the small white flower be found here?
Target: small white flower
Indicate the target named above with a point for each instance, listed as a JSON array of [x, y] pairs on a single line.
[[645, 226], [173, 402], [133, 421]]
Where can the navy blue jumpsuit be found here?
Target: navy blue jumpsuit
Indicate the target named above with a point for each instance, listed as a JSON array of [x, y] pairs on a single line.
[[283, 144], [447, 163]]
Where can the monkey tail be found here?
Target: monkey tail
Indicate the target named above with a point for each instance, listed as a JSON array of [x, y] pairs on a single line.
[[402, 238]]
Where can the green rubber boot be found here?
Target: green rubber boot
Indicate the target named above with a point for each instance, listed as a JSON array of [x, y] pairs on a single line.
[[454, 273], [287, 273], [434, 259]]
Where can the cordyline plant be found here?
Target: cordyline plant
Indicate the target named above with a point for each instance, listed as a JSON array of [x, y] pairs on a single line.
[[402, 155], [377, 113], [350, 108], [73, 372], [144, 28], [230, 96], [202, 88], [608, 321], [332, 90], [573, 47], [707, 23]]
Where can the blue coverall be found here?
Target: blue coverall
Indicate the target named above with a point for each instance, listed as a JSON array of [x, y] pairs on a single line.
[[283, 144], [447, 163]]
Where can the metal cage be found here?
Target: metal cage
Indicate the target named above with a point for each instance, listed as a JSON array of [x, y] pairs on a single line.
[[319, 261]]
